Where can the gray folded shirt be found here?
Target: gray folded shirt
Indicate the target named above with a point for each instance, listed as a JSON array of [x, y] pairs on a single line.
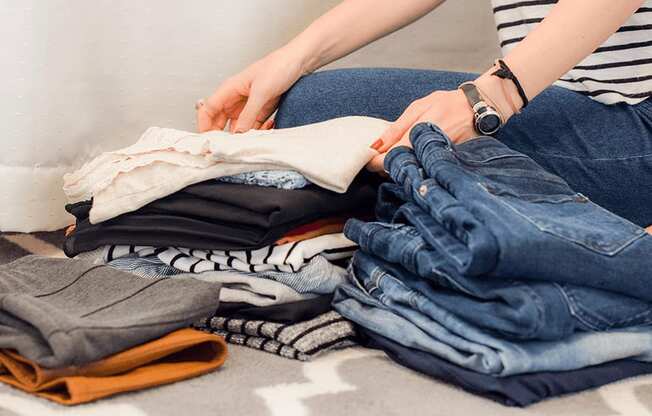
[[62, 312]]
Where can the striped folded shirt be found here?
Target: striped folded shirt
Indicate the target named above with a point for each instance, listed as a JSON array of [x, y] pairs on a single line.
[[300, 341]]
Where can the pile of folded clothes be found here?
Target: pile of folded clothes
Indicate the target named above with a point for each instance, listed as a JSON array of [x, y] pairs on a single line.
[[486, 271], [74, 332], [261, 213]]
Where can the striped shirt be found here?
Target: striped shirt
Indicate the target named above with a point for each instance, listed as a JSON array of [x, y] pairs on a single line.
[[620, 70]]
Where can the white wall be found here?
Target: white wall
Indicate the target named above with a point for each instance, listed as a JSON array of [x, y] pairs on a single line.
[[78, 77]]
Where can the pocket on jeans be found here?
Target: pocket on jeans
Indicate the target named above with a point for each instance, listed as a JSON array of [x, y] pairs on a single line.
[[598, 310], [569, 216]]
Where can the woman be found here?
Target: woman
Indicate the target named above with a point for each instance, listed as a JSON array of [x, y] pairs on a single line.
[[593, 127]]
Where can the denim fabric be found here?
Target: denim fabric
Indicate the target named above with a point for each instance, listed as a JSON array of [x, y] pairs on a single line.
[[149, 267], [518, 390], [512, 219], [380, 302], [283, 179], [602, 151], [512, 308]]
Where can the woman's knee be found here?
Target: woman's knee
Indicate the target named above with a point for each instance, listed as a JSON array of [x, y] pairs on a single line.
[[374, 92], [313, 98]]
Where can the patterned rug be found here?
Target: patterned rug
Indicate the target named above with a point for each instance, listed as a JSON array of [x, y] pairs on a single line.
[[354, 382]]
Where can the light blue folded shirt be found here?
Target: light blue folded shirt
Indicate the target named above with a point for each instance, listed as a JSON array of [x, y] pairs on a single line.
[[283, 179]]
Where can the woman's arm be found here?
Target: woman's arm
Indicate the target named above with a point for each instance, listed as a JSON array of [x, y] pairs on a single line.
[[247, 99], [353, 24], [571, 32]]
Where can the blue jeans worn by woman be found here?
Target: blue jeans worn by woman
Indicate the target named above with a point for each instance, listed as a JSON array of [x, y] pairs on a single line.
[[602, 151]]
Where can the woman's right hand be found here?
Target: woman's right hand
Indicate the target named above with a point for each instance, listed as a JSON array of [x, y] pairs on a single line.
[[250, 97]]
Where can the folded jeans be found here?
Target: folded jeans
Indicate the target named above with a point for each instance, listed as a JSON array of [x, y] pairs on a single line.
[[380, 302], [518, 390], [500, 204], [518, 309]]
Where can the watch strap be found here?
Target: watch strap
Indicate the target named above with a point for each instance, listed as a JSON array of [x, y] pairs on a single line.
[[472, 94]]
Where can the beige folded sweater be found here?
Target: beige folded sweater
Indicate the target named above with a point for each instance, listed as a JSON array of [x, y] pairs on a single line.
[[163, 161]]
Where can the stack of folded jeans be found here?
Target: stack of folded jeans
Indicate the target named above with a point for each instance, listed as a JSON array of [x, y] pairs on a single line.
[[488, 272], [261, 213]]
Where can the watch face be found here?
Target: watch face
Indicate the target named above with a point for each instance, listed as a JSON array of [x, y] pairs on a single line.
[[488, 123]]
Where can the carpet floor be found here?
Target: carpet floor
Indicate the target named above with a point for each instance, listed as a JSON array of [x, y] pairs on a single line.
[[354, 381]]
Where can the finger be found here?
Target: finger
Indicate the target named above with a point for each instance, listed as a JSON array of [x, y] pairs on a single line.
[[233, 113], [251, 113], [398, 128], [224, 97], [268, 125], [267, 111], [204, 120], [224, 104], [220, 121], [377, 163], [405, 139]]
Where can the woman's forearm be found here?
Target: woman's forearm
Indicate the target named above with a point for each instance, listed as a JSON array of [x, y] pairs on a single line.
[[353, 24], [572, 30]]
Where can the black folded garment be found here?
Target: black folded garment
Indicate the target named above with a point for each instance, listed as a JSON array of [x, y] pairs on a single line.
[[284, 313], [518, 390], [219, 216]]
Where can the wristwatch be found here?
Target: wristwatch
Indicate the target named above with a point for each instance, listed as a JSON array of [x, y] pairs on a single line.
[[487, 120]]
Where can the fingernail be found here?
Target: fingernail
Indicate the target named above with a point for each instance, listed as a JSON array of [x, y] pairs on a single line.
[[377, 144], [199, 104], [272, 124]]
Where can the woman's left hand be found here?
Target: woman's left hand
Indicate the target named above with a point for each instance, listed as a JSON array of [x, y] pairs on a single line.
[[449, 110]]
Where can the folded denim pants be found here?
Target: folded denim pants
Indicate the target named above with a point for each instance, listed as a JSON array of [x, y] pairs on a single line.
[[518, 390], [380, 302], [512, 219], [517, 309]]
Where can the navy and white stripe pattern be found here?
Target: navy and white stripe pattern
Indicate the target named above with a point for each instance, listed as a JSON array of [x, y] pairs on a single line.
[[620, 70], [300, 341], [319, 276], [288, 258], [111, 253], [285, 264]]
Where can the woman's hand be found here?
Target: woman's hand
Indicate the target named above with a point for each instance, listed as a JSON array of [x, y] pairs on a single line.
[[248, 98], [447, 109]]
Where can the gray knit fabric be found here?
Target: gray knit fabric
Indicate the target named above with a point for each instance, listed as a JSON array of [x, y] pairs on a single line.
[[62, 312], [301, 341]]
